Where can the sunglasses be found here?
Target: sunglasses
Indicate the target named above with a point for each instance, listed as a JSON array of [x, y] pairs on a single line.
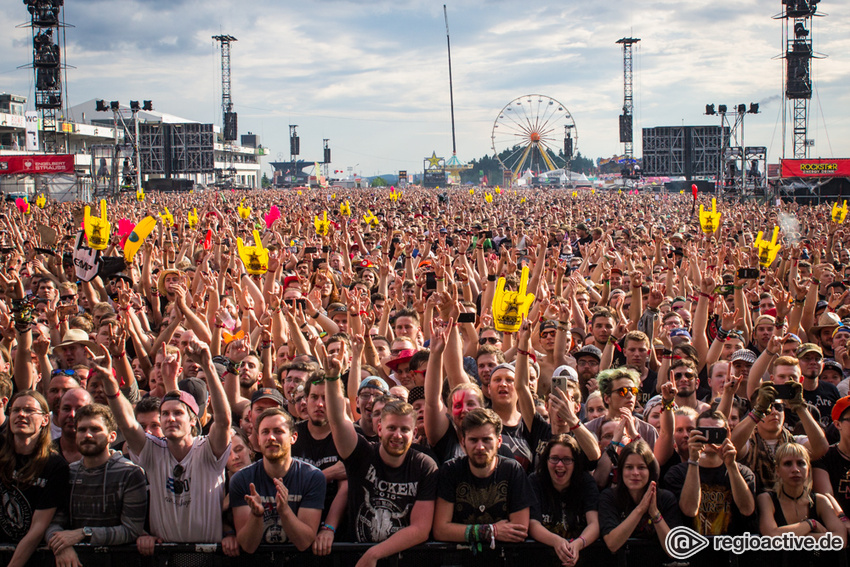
[[487, 340], [680, 375], [626, 390], [178, 471], [60, 371], [547, 334]]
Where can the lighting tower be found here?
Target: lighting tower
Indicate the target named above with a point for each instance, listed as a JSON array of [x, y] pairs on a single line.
[[628, 105], [797, 26], [48, 33], [226, 102]]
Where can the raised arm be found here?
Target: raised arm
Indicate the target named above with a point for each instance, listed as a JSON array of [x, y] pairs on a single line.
[[220, 431], [342, 429]]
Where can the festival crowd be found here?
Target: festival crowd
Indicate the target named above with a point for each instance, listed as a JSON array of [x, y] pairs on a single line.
[[393, 367]]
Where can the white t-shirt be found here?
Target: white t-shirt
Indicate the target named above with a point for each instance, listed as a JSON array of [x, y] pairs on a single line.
[[184, 508]]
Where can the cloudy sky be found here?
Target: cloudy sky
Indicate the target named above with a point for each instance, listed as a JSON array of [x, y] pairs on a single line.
[[372, 76]]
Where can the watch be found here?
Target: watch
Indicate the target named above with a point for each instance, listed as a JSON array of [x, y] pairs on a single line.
[[87, 534]]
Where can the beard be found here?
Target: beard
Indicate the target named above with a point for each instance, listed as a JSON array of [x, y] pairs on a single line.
[[92, 448], [319, 422], [275, 453], [246, 381], [480, 461], [395, 450]]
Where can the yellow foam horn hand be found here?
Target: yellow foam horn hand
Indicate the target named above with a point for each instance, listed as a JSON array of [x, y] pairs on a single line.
[[41, 201], [498, 190], [767, 251], [370, 218], [256, 257], [345, 209], [509, 307], [472, 191], [193, 218], [709, 220], [137, 238], [167, 218], [488, 197], [244, 212], [97, 228], [322, 225], [140, 195], [839, 214]]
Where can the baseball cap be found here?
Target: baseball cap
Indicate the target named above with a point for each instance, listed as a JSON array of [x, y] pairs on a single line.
[[184, 397], [744, 354], [198, 390], [588, 350], [806, 348], [680, 333], [267, 394], [416, 393], [566, 371], [833, 365], [840, 406], [373, 382]]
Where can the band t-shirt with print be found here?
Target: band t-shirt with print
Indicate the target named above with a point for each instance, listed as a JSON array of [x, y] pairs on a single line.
[[381, 497], [484, 500], [306, 486], [566, 513], [18, 503]]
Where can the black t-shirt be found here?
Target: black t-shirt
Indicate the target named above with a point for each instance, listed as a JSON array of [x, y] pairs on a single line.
[[515, 438], [564, 513], [484, 500], [838, 469], [449, 447], [321, 453], [823, 397], [539, 436], [380, 497], [611, 516], [19, 503], [718, 514]]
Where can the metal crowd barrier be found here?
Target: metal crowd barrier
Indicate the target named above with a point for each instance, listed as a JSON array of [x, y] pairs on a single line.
[[636, 553]]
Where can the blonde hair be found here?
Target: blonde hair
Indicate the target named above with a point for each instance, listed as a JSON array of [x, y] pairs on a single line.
[[797, 451]]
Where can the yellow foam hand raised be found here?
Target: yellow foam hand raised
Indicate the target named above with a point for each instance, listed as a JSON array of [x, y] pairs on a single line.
[[575, 193], [41, 201], [709, 220], [394, 195], [767, 250], [521, 201], [370, 218], [488, 197], [838, 214], [137, 238], [193, 218], [140, 195], [167, 218], [345, 209], [322, 225], [472, 191], [97, 228], [509, 307], [498, 190], [244, 212], [255, 258]]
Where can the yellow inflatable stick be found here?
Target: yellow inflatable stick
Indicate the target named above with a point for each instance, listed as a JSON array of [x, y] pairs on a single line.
[[137, 237], [322, 225], [488, 197], [370, 218], [255, 258], [244, 212], [709, 220], [97, 228], [838, 215], [167, 218], [521, 201], [767, 250], [193, 218], [345, 209], [509, 307], [41, 201]]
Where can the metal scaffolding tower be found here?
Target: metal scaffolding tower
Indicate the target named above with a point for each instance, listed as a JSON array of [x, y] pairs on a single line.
[[229, 117], [628, 104]]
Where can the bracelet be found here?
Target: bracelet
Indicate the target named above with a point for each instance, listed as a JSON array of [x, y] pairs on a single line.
[[266, 346], [576, 426], [617, 444], [583, 541], [756, 416], [315, 316], [113, 396], [332, 378], [658, 518], [491, 277], [669, 406], [693, 463], [843, 517], [122, 355], [708, 295], [637, 437], [327, 527], [771, 353], [812, 523]]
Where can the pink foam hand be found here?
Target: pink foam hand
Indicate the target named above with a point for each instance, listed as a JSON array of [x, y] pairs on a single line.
[[22, 205], [125, 227], [272, 216]]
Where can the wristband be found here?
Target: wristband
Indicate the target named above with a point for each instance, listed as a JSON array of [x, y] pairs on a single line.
[[331, 378], [491, 278], [328, 527], [576, 426], [658, 518], [693, 463], [114, 396], [583, 541], [617, 444], [756, 416]]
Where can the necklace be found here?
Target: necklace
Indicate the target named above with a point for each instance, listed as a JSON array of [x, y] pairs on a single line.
[[789, 497], [794, 501]]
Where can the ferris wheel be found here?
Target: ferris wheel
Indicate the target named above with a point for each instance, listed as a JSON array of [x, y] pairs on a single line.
[[534, 133]]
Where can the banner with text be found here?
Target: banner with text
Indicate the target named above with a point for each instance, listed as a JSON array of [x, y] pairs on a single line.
[[838, 167], [36, 165]]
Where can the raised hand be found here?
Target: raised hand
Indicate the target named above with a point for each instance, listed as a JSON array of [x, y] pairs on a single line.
[[510, 307]]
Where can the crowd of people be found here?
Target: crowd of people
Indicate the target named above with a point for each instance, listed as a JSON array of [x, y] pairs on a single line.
[[551, 366]]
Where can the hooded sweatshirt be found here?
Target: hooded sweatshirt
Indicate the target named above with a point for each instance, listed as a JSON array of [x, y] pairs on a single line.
[[110, 499]]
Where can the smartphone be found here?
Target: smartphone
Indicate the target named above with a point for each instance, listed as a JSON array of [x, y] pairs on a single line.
[[748, 273], [47, 251], [714, 435], [317, 262], [310, 250], [784, 391], [301, 302], [326, 249], [488, 234], [560, 382], [466, 318], [430, 281]]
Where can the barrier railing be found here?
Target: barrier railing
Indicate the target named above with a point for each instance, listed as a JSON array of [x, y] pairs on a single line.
[[636, 553]]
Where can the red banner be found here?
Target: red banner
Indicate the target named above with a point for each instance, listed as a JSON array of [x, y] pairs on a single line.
[[838, 167], [37, 165]]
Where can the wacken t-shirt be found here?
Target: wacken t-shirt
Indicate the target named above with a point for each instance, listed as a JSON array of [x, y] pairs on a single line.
[[19, 503], [380, 497], [484, 500]]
